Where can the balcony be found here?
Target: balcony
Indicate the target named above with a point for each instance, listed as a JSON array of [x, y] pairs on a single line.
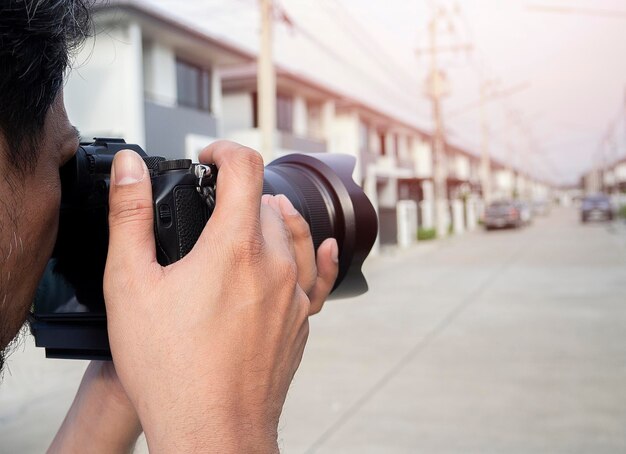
[[299, 144], [167, 128]]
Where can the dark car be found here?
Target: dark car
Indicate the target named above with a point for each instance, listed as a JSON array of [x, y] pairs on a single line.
[[503, 213], [596, 207]]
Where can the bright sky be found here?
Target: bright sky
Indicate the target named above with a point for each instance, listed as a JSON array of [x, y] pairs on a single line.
[[572, 65]]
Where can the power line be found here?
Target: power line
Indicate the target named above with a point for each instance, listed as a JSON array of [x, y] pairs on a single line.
[[291, 23], [606, 13], [380, 51]]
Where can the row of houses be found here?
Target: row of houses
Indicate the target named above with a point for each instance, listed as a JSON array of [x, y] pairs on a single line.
[[172, 89], [610, 179]]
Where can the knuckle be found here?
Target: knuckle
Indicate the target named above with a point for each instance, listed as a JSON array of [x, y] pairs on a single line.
[[304, 305], [248, 249], [130, 211], [247, 159], [301, 228]]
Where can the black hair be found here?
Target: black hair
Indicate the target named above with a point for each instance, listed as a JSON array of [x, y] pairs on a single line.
[[37, 38]]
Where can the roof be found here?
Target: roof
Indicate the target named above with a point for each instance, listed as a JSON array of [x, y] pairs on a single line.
[[145, 11]]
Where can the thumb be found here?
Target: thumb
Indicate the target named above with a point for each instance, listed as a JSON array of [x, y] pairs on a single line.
[[131, 231]]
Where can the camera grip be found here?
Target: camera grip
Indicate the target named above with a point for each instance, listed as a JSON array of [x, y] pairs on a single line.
[[191, 217], [180, 216]]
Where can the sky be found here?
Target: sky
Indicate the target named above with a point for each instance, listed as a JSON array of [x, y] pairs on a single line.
[[558, 79]]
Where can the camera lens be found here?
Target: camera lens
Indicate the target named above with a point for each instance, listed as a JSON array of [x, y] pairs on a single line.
[[321, 188]]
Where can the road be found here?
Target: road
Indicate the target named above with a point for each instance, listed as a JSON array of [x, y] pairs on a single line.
[[510, 341]]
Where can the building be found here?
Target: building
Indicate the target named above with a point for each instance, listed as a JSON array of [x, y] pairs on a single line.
[[150, 80], [173, 89], [392, 158]]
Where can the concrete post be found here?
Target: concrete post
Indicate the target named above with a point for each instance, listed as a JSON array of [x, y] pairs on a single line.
[[371, 192], [406, 212], [458, 223], [470, 210], [427, 205]]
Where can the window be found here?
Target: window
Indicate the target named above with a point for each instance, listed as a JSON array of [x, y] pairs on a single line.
[[383, 143], [284, 113], [193, 85]]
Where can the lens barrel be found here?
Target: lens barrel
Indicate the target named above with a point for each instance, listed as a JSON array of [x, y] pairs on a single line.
[[321, 188]]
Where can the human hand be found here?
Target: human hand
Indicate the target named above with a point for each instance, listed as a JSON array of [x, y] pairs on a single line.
[[316, 273], [101, 419], [206, 348]]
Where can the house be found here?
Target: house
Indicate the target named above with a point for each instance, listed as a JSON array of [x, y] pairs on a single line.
[[151, 80], [311, 118]]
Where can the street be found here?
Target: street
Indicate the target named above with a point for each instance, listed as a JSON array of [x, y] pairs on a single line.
[[511, 341]]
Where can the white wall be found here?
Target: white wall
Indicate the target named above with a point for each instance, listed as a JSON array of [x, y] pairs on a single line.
[[620, 172], [328, 121], [462, 167], [504, 186], [104, 95], [422, 155], [300, 116], [344, 138], [237, 112], [159, 66]]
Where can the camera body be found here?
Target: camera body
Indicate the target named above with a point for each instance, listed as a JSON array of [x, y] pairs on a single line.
[[319, 186], [184, 197]]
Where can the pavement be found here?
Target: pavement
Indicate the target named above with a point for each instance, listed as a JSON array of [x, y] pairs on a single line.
[[509, 341]]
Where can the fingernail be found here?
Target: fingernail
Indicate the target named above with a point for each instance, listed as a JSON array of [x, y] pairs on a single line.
[[128, 168], [334, 252], [286, 206]]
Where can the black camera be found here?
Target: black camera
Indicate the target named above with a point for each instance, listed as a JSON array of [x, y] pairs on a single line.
[[72, 323]]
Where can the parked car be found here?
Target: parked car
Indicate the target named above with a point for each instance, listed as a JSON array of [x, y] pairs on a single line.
[[541, 208], [503, 213], [596, 207], [525, 212]]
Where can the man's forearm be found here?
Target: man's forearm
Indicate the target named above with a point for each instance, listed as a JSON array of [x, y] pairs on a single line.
[[101, 418]]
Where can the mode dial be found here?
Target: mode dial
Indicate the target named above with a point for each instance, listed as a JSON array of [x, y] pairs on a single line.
[[174, 164]]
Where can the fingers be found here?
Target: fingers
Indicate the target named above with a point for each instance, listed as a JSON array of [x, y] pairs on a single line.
[[131, 235], [316, 275], [239, 183], [275, 234], [301, 240], [327, 269]]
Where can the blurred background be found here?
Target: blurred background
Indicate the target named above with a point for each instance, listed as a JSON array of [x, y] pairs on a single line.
[[490, 137]]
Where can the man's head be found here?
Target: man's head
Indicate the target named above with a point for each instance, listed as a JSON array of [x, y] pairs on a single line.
[[36, 138]]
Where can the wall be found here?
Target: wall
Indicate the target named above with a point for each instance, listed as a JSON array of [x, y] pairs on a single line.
[[462, 167], [159, 67], [237, 112], [620, 172], [344, 138], [168, 128], [422, 156], [104, 94]]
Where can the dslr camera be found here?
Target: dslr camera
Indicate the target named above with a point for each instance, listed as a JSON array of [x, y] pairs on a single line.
[[69, 318]]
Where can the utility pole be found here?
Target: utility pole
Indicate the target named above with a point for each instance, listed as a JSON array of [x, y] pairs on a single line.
[[485, 161], [436, 89], [266, 82]]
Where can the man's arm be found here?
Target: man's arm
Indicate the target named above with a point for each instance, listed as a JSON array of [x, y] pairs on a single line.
[[101, 418]]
